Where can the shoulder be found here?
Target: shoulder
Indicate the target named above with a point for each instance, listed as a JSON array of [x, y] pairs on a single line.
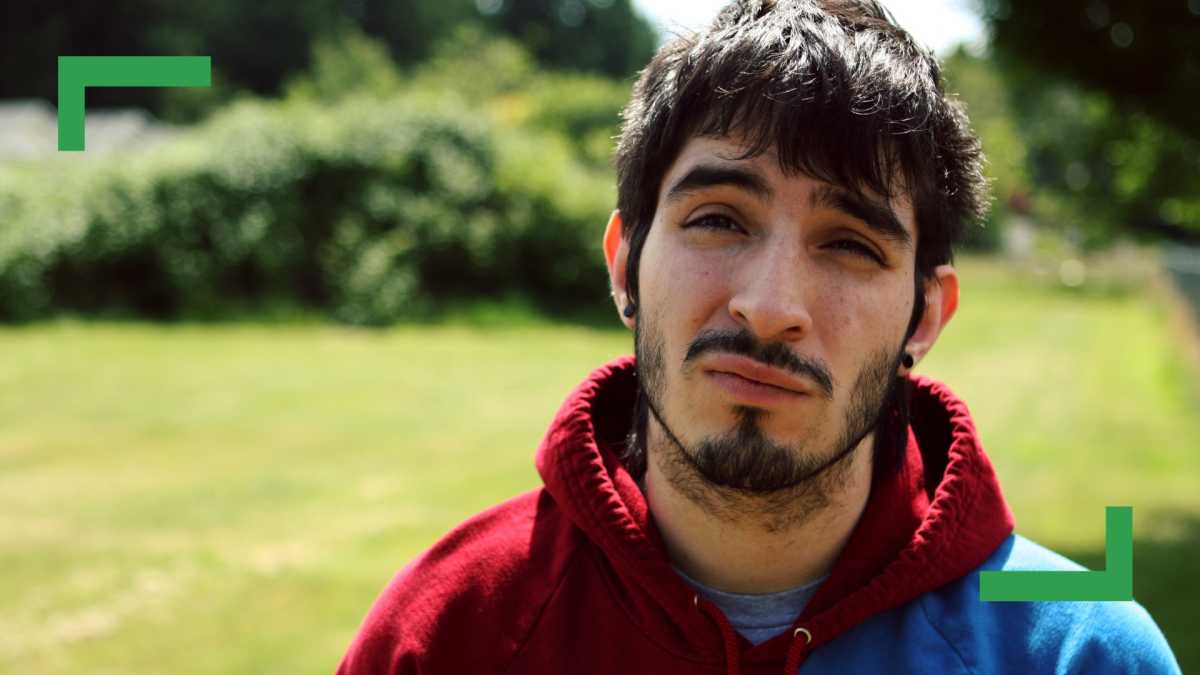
[[1049, 636], [467, 603]]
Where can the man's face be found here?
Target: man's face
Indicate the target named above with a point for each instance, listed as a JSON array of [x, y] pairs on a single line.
[[746, 266]]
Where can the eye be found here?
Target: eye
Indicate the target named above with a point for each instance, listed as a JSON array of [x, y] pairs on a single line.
[[856, 247], [713, 221]]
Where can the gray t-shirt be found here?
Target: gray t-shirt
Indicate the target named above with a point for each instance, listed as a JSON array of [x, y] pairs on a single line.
[[759, 617]]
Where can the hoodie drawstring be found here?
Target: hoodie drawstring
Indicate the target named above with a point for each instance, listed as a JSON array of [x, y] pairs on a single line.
[[801, 638], [733, 664]]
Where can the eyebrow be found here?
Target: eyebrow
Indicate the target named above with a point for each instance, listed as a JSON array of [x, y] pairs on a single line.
[[710, 175], [880, 218]]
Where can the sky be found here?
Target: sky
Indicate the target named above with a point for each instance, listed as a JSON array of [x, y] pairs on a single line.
[[939, 24]]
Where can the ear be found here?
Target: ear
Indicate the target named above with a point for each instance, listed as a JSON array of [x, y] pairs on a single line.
[[616, 254], [941, 301]]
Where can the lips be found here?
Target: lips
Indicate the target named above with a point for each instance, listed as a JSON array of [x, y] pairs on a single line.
[[757, 373], [752, 392]]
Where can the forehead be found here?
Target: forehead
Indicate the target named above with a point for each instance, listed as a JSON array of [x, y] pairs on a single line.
[[726, 151]]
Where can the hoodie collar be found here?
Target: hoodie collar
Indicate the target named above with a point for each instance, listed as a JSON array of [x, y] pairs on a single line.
[[932, 522]]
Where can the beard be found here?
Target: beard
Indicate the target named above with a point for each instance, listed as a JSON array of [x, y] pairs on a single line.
[[745, 472]]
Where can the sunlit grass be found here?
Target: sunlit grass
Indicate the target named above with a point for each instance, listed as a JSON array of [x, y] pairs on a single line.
[[1083, 400], [229, 498]]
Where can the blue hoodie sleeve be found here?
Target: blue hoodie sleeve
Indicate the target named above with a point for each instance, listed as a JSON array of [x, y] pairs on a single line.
[[1063, 638], [1115, 637]]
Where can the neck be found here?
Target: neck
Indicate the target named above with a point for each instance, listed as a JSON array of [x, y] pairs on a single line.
[[745, 543]]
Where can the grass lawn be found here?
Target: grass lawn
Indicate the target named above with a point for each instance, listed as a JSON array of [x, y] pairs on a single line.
[[230, 498]]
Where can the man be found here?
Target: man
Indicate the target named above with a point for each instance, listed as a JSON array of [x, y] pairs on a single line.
[[766, 487]]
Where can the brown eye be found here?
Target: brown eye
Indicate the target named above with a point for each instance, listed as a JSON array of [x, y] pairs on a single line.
[[713, 221], [857, 248]]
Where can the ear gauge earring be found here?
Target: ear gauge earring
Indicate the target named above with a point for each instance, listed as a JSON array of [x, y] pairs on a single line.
[[908, 360]]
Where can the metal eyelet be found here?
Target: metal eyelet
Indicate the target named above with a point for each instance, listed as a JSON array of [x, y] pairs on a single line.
[[807, 635]]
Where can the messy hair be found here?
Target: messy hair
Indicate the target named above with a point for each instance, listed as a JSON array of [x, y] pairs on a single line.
[[840, 92]]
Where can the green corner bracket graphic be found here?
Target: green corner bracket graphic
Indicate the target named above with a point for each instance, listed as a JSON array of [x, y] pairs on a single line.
[[1115, 583], [76, 73]]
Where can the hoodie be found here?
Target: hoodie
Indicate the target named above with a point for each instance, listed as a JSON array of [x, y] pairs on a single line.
[[573, 577]]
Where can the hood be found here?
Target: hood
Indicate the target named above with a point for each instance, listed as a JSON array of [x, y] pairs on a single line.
[[930, 523]]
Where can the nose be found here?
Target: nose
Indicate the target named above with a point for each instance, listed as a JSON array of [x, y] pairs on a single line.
[[773, 298]]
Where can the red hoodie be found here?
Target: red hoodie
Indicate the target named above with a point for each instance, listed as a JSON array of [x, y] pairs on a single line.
[[573, 577]]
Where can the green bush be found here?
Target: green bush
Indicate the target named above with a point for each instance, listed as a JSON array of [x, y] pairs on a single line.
[[374, 209], [366, 193]]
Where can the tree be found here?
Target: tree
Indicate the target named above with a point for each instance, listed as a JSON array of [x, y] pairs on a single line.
[[1104, 94], [1144, 54], [253, 45], [257, 46], [605, 36]]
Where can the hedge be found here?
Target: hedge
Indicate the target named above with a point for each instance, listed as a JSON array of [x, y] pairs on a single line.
[[371, 209]]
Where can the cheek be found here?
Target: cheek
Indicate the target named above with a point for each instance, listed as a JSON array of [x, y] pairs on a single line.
[[860, 318], [684, 279]]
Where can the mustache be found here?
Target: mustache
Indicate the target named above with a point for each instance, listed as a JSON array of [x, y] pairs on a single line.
[[775, 355]]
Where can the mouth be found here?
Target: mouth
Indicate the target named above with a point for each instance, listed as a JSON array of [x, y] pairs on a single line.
[[752, 391]]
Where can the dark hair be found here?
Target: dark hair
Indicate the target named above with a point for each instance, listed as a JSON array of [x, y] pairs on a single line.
[[842, 94]]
